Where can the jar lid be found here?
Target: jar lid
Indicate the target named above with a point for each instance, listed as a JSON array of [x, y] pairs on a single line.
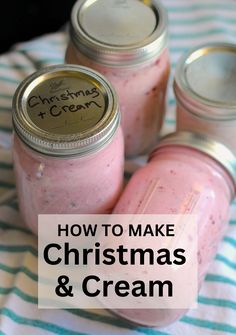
[[205, 144], [65, 110], [119, 32], [205, 81]]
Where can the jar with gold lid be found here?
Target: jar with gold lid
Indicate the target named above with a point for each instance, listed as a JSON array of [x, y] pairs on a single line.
[[68, 145]]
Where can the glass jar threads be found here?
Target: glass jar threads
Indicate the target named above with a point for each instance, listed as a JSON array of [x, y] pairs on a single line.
[[68, 145], [107, 36]]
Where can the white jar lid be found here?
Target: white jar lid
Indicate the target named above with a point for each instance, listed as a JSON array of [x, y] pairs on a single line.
[[119, 32], [205, 81]]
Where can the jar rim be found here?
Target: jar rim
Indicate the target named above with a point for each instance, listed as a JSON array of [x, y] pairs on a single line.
[[119, 55], [207, 105], [74, 140]]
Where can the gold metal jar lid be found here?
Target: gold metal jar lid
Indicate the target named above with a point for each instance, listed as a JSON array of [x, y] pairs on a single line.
[[208, 145], [119, 32], [205, 81], [65, 110]]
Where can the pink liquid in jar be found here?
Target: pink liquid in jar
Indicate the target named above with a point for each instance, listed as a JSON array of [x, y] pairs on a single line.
[[71, 158], [133, 57], [182, 177]]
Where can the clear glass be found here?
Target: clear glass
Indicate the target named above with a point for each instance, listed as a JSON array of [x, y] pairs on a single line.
[[180, 180], [77, 185], [142, 97], [223, 131]]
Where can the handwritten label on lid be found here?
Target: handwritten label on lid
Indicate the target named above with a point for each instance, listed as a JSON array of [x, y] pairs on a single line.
[[66, 105]]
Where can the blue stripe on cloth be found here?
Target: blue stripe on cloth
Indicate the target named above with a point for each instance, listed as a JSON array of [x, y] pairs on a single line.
[[230, 240], [220, 279], [209, 324], [19, 249], [191, 8], [232, 222], [10, 80], [15, 66], [199, 34], [117, 322], [8, 226], [6, 129], [226, 261], [205, 18], [48, 326], [5, 184], [6, 96], [217, 302], [110, 320], [5, 165], [5, 109], [14, 205], [17, 270]]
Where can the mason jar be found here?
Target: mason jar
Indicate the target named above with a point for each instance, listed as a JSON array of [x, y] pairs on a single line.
[[126, 41], [188, 173], [204, 86], [68, 146]]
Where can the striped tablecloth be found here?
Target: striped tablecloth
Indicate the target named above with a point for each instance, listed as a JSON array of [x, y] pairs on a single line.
[[191, 22]]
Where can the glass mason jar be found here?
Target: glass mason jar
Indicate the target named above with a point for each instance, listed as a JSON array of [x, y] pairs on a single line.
[[186, 174], [68, 145], [107, 36], [204, 86]]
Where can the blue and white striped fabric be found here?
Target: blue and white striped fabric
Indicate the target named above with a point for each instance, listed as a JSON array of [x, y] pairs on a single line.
[[191, 22]]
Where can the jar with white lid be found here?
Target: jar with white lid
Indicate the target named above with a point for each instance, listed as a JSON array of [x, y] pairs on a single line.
[[68, 146], [188, 173], [204, 86], [126, 41]]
